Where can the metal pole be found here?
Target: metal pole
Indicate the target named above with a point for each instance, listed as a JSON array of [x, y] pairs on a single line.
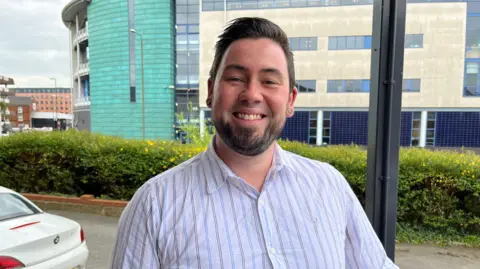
[[143, 91], [55, 105], [384, 119]]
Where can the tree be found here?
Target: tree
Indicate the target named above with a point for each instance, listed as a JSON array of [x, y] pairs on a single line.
[[3, 116], [192, 130]]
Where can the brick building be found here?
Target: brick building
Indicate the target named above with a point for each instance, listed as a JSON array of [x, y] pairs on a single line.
[[48, 99], [21, 109]]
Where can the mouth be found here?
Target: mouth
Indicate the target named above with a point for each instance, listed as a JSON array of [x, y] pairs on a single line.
[[248, 117]]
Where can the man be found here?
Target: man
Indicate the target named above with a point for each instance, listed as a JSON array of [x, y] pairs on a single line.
[[246, 203]]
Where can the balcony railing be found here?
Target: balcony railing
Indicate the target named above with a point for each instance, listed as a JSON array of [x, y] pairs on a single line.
[[82, 101], [83, 69], [82, 35]]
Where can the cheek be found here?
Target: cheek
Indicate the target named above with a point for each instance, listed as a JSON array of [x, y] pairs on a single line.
[[279, 108], [224, 99], [221, 105]]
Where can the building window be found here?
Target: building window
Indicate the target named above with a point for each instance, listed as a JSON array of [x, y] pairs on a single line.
[[472, 78], [431, 122], [20, 110], [133, 94], [365, 42], [416, 122], [20, 118], [349, 42], [312, 128], [306, 85], [411, 85], [414, 41], [326, 128], [187, 41], [303, 43], [353, 85], [213, 5]]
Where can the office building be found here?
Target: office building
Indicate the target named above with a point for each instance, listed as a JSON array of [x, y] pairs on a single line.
[[331, 41], [110, 95], [54, 100]]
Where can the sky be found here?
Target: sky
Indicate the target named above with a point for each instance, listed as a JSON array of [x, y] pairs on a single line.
[[34, 43]]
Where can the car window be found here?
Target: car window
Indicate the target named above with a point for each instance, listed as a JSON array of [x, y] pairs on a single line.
[[13, 206]]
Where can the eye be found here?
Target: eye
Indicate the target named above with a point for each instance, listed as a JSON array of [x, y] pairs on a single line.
[[234, 79], [270, 82]]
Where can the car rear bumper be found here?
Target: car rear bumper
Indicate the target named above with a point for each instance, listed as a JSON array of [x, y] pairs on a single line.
[[75, 258]]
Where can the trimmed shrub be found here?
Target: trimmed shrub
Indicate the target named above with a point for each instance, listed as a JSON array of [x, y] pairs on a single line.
[[437, 189]]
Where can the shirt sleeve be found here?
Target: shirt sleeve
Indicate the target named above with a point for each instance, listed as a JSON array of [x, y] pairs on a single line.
[[136, 241], [363, 249]]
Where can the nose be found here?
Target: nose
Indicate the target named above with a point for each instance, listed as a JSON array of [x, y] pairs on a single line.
[[251, 94]]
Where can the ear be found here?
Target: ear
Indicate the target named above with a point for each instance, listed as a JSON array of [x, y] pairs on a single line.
[[210, 93], [292, 96]]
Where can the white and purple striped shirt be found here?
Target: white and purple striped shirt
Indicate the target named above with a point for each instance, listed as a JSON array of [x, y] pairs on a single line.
[[201, 215]]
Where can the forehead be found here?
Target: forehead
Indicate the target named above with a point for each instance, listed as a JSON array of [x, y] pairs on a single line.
[[255, 54]]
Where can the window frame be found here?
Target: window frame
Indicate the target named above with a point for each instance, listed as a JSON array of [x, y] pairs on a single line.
[[363, 85], [306, 83], [303, 43], [359, 42]]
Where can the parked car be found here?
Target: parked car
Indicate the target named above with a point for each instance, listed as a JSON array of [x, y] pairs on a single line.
[[33, 239]]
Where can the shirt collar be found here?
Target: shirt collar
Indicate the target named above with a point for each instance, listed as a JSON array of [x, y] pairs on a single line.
[[220, 172]]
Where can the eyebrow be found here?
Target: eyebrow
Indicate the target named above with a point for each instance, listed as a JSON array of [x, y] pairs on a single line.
[[243, 69]]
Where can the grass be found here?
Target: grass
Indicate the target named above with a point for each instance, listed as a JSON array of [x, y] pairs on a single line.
[[407, 233]]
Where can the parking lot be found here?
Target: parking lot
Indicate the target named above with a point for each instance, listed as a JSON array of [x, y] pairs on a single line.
[[100, 235]]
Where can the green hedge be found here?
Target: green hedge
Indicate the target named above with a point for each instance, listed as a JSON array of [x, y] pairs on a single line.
[[436, 189]]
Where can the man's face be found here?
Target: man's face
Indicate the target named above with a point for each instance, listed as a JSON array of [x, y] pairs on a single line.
[[250, 97]]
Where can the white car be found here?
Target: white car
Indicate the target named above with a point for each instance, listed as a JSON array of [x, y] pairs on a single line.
[[33, 239]]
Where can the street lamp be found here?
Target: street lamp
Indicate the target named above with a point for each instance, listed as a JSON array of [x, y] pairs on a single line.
[[55, 113], [143, 83]]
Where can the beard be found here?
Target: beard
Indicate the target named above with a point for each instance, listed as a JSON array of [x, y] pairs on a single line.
[[244, 140]]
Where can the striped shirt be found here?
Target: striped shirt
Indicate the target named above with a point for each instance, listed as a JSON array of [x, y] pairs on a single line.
[[201, 215]]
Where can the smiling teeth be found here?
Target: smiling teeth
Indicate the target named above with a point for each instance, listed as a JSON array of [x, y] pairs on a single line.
[[249, 116]]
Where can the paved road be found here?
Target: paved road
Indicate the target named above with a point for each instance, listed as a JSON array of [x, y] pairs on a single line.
[[100, 235]]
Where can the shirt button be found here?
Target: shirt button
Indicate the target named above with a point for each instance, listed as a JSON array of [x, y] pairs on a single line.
[[271, 250]]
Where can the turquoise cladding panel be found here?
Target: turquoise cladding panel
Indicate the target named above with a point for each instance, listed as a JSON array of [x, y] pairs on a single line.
[[112, 113]]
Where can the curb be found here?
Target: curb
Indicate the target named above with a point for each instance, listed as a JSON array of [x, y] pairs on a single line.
[[83, 204]]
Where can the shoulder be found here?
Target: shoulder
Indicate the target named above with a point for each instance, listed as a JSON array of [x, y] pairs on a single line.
[[301, 164], [322, 180], [177, 179], [317, 173], [175, 174]]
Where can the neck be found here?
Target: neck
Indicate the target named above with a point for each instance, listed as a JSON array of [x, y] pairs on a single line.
[[252, 169]]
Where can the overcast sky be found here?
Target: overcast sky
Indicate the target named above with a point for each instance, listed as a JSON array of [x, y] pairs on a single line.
[[34, 43]]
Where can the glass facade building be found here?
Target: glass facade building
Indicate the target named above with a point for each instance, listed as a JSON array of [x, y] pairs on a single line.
[[331, 41]]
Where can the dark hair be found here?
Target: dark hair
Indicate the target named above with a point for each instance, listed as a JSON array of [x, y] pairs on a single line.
[[252, 27]]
